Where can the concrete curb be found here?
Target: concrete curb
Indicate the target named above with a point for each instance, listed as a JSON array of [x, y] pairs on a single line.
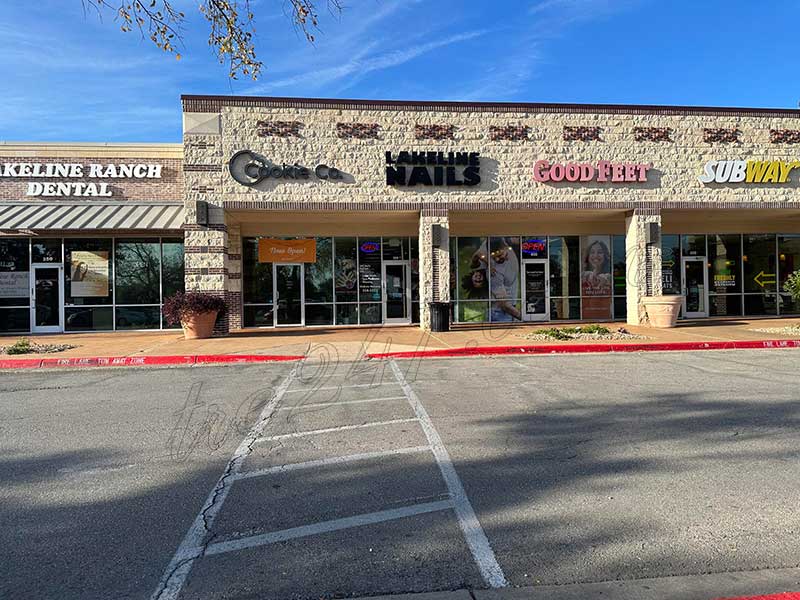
[[141, 361], [589, 348]]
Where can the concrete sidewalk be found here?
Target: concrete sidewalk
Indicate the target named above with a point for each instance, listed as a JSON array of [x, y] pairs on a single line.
[[354, 343]]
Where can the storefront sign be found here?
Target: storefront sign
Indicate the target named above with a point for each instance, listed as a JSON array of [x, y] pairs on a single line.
[[433, 168], [76, 171], [248, 168], [370, 247], [287, 251], [89, 274], [748, 171], [534, 248], [13, 284], [603, 171]]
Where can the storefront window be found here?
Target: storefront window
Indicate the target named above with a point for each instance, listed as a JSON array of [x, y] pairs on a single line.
[[172, 267], [472, 260], [14, 286], [395, 248], [618, 253], [88, 274], [724, 259], [137, 268], [760, 274], [46, 250], [346, 282], [319, 314], [503, 268], [369, 271], [319, 275], [138, 317], [596, 279], [670, 264], [788, 263], [565, 266], [414, 265], [693, 245], [87, 318]]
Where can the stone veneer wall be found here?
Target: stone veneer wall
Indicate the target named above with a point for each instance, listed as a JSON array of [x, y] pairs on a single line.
[[677, 142]]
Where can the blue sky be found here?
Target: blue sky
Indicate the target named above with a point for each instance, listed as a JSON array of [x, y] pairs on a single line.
[[69, 77]]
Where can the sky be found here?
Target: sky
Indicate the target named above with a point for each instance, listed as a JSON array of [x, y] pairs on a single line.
[[69, 76]]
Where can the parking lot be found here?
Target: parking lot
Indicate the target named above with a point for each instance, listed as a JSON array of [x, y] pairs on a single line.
[[317, 480]]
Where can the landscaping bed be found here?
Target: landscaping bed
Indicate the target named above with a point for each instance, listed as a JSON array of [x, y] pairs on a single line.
[[25, 346], [584, 332]]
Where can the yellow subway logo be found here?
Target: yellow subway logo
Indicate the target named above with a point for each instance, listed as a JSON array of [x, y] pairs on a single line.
[[748, 171]]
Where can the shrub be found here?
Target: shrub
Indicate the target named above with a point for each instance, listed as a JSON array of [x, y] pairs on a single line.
[[182, 306], [792, 286], [21, 346]]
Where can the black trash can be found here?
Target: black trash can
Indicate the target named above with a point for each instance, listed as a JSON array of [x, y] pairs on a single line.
[[440, 316]]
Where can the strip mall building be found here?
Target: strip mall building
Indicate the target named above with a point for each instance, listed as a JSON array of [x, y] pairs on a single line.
[[310, 213]]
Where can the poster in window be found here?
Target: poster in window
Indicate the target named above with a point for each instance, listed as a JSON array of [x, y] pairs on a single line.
[[89, 274], [14, 284], [369, 270], [596, 281]]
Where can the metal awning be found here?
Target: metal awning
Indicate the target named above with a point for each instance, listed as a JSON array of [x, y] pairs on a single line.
[[145, 216]]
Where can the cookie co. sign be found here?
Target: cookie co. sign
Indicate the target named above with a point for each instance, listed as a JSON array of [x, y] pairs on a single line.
[[75, 171], [748, 171]]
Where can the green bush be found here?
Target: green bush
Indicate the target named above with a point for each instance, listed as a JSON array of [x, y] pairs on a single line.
[[21, 346], [792, 286]]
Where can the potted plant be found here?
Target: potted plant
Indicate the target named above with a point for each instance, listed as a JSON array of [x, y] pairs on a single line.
[[195, 311], [663, 311]]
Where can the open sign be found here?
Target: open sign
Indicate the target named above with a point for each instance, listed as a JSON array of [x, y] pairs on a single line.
[[370, 247]]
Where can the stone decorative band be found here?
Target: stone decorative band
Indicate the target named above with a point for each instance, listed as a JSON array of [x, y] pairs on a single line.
[[511, 133], [205, 271], [195, 227], [652, 134], [720, 134], [284, 129], [582, 134], [360, 131], [203, 189], [784, 136], [434, 132], [202, 168], [204, 249], [197, 103], [201, 144], [233, 257]]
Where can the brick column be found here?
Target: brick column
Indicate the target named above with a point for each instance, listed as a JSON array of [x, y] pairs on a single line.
[[233, 295], [643, 261], [434, 261]]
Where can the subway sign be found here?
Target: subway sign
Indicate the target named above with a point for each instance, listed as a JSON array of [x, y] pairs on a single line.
[[748, 171]]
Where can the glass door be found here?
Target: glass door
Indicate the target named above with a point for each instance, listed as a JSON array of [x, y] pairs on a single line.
[[396, 292], [46, 299], [694, 282], [288, 281], [536, 292]]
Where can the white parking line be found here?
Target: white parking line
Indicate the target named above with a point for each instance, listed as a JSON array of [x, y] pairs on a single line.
[[298, 434], [324, 404], [191, 547], [473, 532], [326, 527], [341, 387], [329, 461]]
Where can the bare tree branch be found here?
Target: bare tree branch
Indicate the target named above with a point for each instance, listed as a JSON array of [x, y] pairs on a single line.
[[232, 25]]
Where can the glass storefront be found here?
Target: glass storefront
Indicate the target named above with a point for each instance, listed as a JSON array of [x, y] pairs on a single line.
[[344, 286], [87, 284], [500, 278], [744, 272]]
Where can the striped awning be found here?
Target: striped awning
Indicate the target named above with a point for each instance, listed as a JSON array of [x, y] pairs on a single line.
[[145, 216]]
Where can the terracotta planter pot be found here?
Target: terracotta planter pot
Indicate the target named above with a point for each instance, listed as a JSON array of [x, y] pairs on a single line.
[[200, 326], [663, 311]]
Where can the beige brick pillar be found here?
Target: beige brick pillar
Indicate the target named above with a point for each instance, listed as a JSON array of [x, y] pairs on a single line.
[[206, 237], [643, 261], [434, 261]]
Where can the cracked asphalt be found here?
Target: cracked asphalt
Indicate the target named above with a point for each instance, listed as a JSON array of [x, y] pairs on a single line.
[[578, 468]]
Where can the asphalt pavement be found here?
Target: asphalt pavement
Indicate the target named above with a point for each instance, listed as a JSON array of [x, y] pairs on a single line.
[[355, 479]]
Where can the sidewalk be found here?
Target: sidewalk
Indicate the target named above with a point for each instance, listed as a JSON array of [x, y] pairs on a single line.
[[355, 343]]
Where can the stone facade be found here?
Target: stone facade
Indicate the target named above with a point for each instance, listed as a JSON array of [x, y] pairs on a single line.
[[677, 142]]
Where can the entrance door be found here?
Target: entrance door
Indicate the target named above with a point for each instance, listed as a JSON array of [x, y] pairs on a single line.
[[536, 290], [396, 292], [288, 294], [694, 282], [46, 299]]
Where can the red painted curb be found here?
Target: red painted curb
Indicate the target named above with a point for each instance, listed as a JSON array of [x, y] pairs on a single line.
[[783, 596], [588, 348], [140, 361]]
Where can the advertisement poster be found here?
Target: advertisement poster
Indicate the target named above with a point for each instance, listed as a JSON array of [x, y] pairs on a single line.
[[287, 251], [596, 282], [489, 268], [14, 284], [89, 274]]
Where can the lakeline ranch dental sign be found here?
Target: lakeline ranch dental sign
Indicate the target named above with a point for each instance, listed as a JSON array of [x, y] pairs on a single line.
[[76, 171], [748, 171]]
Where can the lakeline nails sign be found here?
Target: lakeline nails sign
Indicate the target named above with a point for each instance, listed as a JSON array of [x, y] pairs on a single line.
[[748, 171]]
